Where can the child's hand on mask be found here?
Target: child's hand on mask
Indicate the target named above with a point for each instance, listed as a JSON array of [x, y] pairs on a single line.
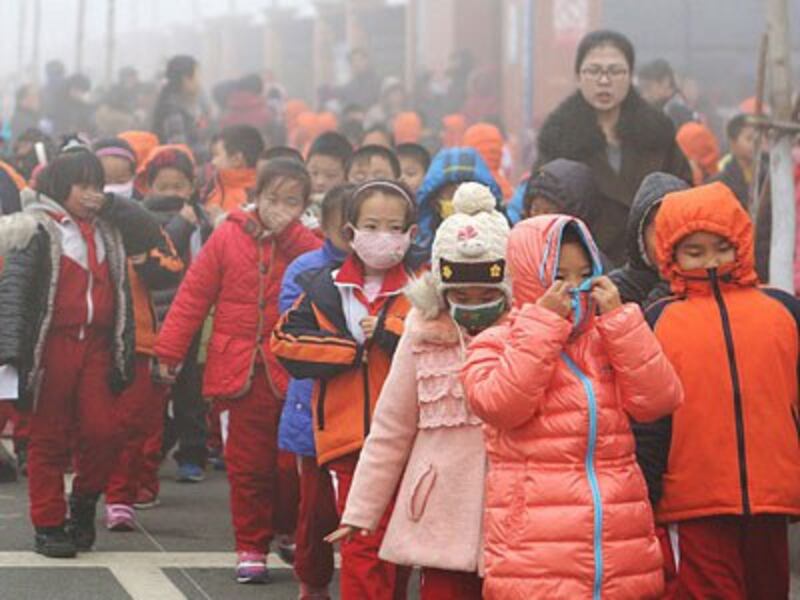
[[275, 220], [93, 201], [606, 294], [368, 326], [557, 299]]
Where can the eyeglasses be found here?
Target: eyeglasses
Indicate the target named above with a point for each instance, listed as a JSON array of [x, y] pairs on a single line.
[[596, 72]]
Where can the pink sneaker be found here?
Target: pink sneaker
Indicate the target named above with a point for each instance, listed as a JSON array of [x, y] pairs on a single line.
[[120, 517], [251, 567]]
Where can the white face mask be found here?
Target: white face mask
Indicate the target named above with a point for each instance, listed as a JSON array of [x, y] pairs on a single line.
[[120, 189]]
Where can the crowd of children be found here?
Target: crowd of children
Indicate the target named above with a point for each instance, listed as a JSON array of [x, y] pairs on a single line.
[[402, 356]]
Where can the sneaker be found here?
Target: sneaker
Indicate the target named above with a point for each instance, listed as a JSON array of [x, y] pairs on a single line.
[[215, 459], [308, 592], [251, 567], [146, 499], [120, 517], [80, 526], [54, 542], [190, 473], [286, 548]]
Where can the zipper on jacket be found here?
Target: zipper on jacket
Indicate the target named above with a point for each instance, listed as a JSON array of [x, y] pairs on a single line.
[[737, 390], [89, 306], [591, 474], [323, 385]]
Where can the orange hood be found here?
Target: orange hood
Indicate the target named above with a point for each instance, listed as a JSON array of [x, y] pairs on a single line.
[[407, 128], [712, 208], [293, 109], [534, 249], [488, 141], [698, 143], [142, 143], [454, 127], [141, 172]]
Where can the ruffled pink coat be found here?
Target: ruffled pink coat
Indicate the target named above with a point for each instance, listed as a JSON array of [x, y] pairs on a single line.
[[424, 432], [567, 514]]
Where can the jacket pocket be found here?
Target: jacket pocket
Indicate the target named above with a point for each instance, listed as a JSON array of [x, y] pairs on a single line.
[[420, 492]]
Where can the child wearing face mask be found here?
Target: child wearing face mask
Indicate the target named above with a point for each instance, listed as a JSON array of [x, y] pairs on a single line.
[[67, 336], [343, 332], [119, 165], [314, 558], [424, 436], [167, 176], [724, 470], [239, 271], [556, 385]]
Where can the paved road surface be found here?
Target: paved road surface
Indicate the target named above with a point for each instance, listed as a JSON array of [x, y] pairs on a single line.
[[183, 549]]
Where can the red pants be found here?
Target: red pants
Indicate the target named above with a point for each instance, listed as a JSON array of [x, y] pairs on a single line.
[[75, 413], [730, 557], [20, 423], [260, 503], [140, 412], [151, 460], [438, 584], [313, 563], [287, 507], [363, 574]]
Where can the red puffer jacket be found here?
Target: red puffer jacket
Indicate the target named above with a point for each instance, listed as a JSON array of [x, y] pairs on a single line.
[[240, 271]]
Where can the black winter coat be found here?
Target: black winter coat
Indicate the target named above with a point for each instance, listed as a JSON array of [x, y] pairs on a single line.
[[648, 144]]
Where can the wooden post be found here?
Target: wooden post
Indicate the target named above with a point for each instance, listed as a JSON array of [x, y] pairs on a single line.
[[23, 14], [110, 41], [781, 264], [79, 34], [37, 31]]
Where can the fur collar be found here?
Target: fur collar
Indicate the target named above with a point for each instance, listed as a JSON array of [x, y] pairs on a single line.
[[16, 232], [571, 130], [441, 331]]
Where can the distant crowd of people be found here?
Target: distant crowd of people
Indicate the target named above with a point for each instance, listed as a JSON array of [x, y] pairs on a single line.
[[568, 384]]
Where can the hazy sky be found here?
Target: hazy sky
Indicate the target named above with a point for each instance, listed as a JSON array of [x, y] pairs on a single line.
[[59, 22]]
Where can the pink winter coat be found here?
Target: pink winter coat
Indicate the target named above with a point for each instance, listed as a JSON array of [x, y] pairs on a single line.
[[424, 432], [567, 514]]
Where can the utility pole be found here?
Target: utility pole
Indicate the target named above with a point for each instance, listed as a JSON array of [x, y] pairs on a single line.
[[79, 34], [37, 31], [781, 264], [23, 5], [110, 14]]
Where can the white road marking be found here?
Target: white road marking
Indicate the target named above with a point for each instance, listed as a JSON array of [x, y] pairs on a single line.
[[144, 582]]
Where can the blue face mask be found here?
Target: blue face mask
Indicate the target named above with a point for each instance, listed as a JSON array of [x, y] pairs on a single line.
[[582, 304]]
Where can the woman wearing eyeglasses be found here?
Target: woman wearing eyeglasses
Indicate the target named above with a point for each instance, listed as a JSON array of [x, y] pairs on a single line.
[[607, 125]]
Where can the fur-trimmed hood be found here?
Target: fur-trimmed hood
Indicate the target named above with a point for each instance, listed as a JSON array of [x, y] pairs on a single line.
[[439, 330], [571, 130]]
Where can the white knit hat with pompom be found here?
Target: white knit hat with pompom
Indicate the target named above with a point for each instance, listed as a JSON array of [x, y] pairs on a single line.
[[469, 249]]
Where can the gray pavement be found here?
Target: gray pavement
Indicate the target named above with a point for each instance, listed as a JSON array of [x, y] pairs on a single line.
[[183, 549]]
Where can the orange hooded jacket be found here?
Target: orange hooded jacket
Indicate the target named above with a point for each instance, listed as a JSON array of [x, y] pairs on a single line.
[[733, 446], [489, 142], [407, 127], [566, 514], [700, 146]]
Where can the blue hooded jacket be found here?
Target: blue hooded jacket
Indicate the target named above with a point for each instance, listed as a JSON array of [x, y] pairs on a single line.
[[516, 208], [295, 432], [451, 165]]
